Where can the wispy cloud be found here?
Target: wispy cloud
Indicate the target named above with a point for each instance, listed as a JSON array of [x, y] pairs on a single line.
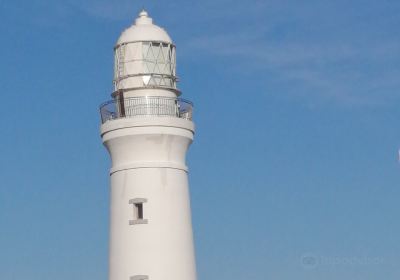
[[343, 72], [346, 66], [317, 49]]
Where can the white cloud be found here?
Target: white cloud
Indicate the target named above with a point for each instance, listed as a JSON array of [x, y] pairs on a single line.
[[327, 50], [347, 72]]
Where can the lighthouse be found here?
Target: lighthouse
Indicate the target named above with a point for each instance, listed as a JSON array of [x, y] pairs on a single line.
[[147, 129]]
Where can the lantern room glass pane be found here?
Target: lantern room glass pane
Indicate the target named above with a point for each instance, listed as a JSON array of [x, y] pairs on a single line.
[[158, 58]]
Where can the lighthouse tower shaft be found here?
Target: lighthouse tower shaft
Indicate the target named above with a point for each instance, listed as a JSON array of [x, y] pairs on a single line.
[[147, 131]]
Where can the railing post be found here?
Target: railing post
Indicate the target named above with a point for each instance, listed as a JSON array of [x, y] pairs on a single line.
[[121, 104]]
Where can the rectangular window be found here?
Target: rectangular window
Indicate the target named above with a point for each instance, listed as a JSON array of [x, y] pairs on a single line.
[[138, 211], [139, 277]]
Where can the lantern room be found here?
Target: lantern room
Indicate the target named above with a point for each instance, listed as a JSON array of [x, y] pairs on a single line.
[[144, 58]]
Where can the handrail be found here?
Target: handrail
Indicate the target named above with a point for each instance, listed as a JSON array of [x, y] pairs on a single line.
[[145, 106]]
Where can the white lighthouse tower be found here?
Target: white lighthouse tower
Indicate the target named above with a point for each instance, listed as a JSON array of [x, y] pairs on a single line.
[[147, 130]]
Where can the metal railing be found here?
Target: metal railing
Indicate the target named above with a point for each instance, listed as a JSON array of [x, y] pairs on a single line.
[[145, 106]]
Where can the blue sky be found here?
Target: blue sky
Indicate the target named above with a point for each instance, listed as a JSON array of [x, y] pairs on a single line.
[[293, 172]]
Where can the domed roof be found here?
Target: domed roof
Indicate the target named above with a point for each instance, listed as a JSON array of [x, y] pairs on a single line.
[[144, 30]]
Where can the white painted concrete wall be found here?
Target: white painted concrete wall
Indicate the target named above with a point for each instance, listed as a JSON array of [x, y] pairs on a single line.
[[148, 161]]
